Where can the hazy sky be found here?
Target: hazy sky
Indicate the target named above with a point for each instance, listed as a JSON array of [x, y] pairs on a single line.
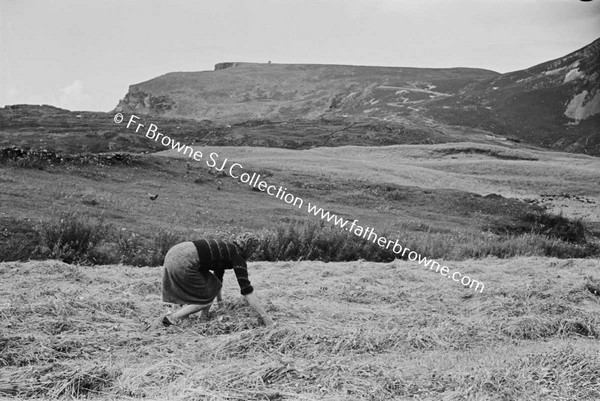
[[83, 55]]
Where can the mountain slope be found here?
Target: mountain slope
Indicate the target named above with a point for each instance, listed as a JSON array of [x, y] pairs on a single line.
[[554, 104]]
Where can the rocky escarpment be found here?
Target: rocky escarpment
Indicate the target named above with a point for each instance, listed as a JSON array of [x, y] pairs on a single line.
[[222, 66], [143, 102]]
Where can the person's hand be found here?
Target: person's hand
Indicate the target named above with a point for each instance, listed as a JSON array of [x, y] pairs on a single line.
[[268, 321]]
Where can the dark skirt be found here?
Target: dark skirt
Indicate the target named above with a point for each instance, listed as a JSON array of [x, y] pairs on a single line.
[[184, 282]]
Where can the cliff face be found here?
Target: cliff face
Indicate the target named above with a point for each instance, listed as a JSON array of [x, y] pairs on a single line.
[[222, 66], [143, 102]]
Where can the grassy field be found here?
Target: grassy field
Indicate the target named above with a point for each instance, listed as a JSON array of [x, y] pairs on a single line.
[[344, 331], [440, 199], [509, 170]]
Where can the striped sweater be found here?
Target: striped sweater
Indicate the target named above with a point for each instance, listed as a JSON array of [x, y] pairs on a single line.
[[219, 256]]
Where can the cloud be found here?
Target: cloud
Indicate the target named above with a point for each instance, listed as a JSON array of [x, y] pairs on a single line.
[[74, 97]]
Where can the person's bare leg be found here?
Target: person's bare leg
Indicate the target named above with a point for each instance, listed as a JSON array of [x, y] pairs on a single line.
[[187, 310]]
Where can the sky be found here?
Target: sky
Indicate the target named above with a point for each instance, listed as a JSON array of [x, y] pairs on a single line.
[[83, 55]]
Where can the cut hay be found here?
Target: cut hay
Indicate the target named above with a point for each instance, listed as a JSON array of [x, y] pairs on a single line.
[[81, 332], [66, 380]]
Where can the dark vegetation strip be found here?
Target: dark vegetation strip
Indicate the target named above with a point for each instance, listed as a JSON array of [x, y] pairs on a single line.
[[76, 238]]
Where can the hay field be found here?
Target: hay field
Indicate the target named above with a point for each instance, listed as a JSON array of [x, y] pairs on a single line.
[[344, 331]]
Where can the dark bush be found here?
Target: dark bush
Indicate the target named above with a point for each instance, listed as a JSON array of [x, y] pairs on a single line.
[[163, 241], [132, 249], [557, 226], [72, 238], [136, 250], [546, 224]]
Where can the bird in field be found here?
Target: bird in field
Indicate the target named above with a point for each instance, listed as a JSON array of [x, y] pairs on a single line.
[[152, 197]]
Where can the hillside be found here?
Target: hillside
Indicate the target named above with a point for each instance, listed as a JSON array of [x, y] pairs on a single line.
[[245, 91], [52, 128], [344, 331], [555, 104]]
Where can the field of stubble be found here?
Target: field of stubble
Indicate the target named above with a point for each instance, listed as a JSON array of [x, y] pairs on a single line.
[[344, 331]]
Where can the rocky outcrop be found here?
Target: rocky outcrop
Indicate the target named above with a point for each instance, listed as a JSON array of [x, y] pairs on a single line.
[[38, 158], [222, 66], [145, 103]]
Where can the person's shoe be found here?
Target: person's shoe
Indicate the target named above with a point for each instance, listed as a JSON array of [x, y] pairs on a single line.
[[166, 322], [159, 323]]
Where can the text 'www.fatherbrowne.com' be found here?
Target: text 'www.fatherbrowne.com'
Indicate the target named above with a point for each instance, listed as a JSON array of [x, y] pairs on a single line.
[[236, 170]]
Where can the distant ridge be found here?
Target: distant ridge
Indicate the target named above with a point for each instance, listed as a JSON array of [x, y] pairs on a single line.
[[554, 104], [236, 91]]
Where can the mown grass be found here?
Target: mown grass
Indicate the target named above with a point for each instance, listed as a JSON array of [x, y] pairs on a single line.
[[358, 330]]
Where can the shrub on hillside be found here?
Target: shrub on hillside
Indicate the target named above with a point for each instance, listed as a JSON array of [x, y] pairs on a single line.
[[72, 238], [136, 250], [525, 245], [317, 241], [549, 225], [482, 245], [132, 248], [557, 226], [163, 241]]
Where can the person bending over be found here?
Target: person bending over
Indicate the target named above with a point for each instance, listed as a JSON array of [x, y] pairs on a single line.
[[193, 275]]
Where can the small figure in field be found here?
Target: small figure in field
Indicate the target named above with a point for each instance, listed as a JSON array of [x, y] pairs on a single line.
[[193, 275], [219, 184]]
